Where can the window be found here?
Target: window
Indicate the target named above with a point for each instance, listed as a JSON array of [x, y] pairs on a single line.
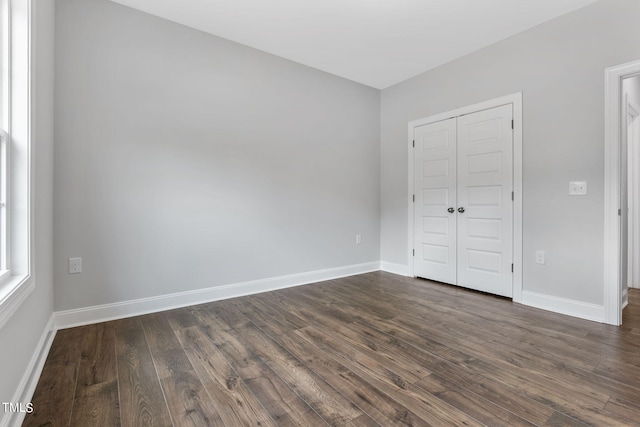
[[5, 97], [15, 156]]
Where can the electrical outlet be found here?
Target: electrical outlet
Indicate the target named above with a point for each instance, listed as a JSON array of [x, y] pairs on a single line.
[[358, 239], [75, 265], [540, 257], [578, 188]]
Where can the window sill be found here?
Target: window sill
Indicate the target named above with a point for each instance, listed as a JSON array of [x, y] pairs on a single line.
[[13, 292]]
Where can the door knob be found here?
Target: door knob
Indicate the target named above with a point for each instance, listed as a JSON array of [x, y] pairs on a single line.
[[461, 210], [451, 210]]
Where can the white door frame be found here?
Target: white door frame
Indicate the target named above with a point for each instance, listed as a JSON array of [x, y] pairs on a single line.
[[633, 125], [612, 141], [515, 99]]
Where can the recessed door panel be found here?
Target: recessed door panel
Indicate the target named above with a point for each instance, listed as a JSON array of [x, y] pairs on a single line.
[[484, 228], [483, 261], [484, 131], [435, 254], [435, 168], [437, 197], [485, 195], [435, 225], [484, 163]]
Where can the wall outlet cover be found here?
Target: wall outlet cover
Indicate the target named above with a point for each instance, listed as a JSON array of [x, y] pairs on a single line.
[[75, 265], [578, 188]]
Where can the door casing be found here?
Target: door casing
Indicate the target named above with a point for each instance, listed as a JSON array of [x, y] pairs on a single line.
[[515, 100], [612, 146]]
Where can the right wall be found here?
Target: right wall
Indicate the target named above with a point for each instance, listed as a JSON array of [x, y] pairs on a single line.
[[559, 68]]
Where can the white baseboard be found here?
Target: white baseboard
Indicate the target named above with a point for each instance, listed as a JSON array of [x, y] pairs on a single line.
[[399, 269], [566, 306], [625, 298], [29, 381], [119, 310]]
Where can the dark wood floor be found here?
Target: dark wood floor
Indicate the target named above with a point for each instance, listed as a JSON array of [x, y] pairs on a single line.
[[374, 349]]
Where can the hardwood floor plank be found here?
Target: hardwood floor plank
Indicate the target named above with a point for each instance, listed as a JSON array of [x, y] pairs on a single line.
[[97, 357], [496, 393], [379, 406], [419, 405], [330, 405], [470, 403], [269, 315], [142, 402], [96, 401], [236, 403], [530, 371], [284, 406], [188, 402], [98, 406], [365, 349], [625, 409], [542, 389], [54, 394], [559, 419]]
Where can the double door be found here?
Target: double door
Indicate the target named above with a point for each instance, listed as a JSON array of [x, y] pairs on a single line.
[[463, 210]]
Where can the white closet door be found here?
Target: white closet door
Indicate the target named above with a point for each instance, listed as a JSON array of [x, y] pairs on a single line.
[[435, 195], [485, 214]]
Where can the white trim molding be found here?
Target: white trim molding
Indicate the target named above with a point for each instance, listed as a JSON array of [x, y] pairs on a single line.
[[29, 381], [612, 121], [515, 99], [18, 289], [119, 310], [17, 286], [566, 306], [399, 269]]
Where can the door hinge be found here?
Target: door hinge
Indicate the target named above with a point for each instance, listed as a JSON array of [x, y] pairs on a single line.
[[619, 212], [414, 143], [414, 198], [512, 268], [512, 196], [414, 252], [512, 124]]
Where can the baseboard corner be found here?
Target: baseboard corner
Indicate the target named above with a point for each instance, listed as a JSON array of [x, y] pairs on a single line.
[[390, 267]]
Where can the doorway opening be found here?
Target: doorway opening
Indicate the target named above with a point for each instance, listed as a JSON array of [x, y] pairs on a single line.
[[622, 187]]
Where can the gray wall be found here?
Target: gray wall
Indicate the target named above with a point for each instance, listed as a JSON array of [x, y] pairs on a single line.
[[20, 335], [185, 161], [559, 67]]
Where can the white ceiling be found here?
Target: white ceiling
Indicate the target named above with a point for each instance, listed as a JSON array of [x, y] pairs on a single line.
[[374, 42]]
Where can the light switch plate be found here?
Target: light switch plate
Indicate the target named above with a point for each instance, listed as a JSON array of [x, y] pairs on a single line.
[[578, 188]]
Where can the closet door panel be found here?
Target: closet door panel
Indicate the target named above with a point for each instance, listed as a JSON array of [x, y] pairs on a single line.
[[435, 227], [484, 188]]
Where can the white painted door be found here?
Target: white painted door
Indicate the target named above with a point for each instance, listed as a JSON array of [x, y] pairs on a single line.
[[463, 211], [485, 205], [435, 195], [633, 142]]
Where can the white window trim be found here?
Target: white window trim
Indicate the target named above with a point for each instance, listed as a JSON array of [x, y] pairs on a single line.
[[4, 217], [16, 287]]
